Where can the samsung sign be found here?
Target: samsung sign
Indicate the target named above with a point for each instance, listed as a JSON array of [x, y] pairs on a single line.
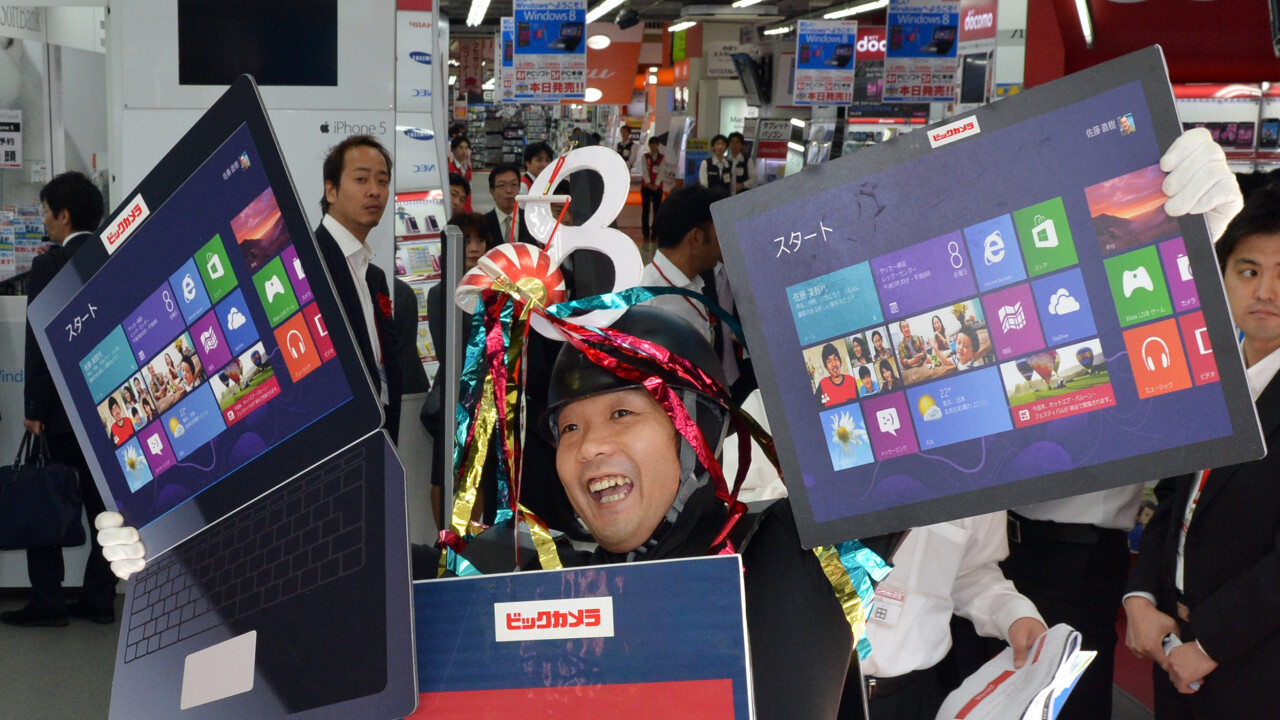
[[419, 56], [419, 134]]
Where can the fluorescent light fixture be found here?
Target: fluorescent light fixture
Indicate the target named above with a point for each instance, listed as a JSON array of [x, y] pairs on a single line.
[[684, 25], [653, 68], [488, 84], [798, 123], [477, 12], [453, 79], [653, 78], [1086, 23], [601, 10], [864, 7], [796, 146], [599, 42], [778, 30], [747, 3], [592, 95]]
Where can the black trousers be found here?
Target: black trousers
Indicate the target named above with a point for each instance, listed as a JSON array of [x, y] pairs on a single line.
[[45, 567], [920, 699], [1081, 585], [648, 197]]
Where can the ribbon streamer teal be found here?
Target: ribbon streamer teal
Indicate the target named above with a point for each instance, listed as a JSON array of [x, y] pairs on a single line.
[[473, 372], [460, 566], [634, 296], [865, 569]]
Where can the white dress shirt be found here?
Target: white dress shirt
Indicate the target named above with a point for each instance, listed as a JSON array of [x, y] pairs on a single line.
[[762, 481], [940, 569], [359, 255], [662, 273], [752, 180]]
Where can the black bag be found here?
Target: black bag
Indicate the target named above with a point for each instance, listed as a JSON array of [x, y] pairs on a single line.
[[39, 500]]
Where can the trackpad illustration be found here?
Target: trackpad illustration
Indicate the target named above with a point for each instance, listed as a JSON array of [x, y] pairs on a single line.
[[220, 671]]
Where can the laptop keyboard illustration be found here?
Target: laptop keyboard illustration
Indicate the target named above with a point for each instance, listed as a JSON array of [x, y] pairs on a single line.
[[297, 538]]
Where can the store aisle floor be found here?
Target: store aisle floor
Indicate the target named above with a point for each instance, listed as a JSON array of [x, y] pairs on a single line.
[[59, 673], [55, 673]]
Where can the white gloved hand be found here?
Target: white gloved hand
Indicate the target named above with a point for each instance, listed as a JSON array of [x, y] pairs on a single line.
[[121, 545], [1199, 181]]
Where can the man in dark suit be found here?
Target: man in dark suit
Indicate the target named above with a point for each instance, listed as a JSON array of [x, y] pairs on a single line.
[[357, 182], [1209, 568], [504, 185], [72, 209]]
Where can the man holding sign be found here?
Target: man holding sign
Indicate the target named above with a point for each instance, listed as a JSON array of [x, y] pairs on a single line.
[[1203, 600]]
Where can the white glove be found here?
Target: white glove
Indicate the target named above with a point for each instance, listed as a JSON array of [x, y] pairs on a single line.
[[121, 545], [1199, 181]]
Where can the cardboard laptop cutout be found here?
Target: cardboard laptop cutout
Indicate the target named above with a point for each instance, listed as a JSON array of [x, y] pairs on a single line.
[[219, 396]]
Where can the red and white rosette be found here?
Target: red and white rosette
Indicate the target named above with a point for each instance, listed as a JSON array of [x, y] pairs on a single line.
[[539, 280]]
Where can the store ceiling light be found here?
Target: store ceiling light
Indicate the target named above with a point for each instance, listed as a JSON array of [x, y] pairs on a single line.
[[747, 3], [593, 95], [653, 68], [653, 79], [859, 9], [796, 146], [602, 9], [798, 122], [477, 13], [683, 26], [488, 84], [778, 30], [1086, 22], [599, 42]]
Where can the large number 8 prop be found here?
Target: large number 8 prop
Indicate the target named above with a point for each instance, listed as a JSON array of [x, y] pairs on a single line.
[[537, 272]]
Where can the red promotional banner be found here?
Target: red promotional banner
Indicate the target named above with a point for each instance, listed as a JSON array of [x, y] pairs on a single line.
[[472, 54]]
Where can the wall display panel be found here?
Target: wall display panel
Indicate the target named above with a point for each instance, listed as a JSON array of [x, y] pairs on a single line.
[[989, 313], [158, 66]]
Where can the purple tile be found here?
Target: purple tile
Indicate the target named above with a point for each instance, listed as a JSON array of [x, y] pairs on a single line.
[[1177, 274], [1012, 321], [301, 287], [889, 425], [155, 447], [211, 344], [156, 322], [925, 275]]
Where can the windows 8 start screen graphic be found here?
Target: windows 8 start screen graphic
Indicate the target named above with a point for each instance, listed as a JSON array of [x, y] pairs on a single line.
[[1010, 317], [203, 331]]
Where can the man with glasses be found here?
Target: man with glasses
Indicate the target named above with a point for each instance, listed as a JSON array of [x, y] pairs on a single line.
[[504, 185]]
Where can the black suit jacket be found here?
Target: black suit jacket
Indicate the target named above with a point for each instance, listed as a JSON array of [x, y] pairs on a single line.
[[495, 229], [1231, 573], [349, 298], [39, 393]]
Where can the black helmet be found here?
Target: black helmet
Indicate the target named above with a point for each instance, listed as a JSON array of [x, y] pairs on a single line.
[[575, 376]]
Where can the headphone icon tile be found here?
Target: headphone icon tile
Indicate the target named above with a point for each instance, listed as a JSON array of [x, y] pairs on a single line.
[[1164, 353], [294, 338]]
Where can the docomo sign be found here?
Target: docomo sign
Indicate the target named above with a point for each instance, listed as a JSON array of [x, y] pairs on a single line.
[[594, 234], [977, 20], [872, 43]]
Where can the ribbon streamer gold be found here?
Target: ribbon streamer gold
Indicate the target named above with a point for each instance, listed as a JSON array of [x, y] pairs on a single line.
[[854, 610], [548, 555], [465, 499]]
